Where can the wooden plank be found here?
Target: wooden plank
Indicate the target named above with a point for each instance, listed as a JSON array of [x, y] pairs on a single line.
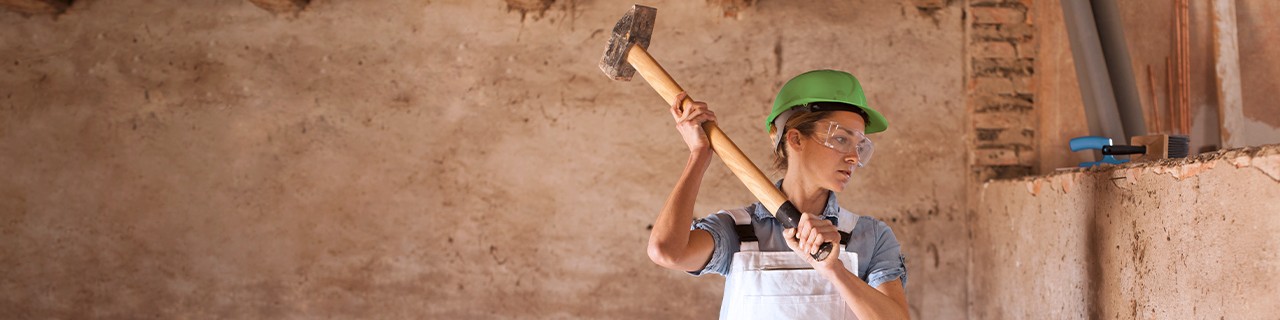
[[1226, 53], [1155, 102], [1187, 68], [281, 6], [36, 6], [1184, 68], [1169, 76], [1175, 72]]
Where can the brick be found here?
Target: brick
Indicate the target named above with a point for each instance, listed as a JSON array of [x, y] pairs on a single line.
[[995, 157], [987, 3], [988, 134], [1027, 155], [993, 49], [1001, 119], [929, 4], [1002, 32], [1027, 49], [999, 126], [1027, 3], [1023, 85], [1004, 156], [992, 85], [1000, 3], [998, 15], [1003, 67], [993, 137], [1014, 137], [1004, 172], [988, 103], [281, 6]]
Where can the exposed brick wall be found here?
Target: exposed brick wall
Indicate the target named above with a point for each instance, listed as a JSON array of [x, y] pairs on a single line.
[[1001, 82]]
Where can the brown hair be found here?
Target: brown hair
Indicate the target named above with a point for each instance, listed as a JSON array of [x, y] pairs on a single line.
[[804, 121]]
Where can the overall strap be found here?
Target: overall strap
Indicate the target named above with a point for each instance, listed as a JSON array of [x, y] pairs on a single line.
[[740, 216], [747, 233], [742, 225], [847, 220]]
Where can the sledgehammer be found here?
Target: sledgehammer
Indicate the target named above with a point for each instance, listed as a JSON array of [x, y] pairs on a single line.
[[626, 55]]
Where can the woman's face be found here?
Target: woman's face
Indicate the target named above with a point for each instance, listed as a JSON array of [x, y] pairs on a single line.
[[822, 165]]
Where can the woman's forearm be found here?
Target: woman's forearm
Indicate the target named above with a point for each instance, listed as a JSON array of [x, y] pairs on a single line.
[[669, 239], [866, 302]]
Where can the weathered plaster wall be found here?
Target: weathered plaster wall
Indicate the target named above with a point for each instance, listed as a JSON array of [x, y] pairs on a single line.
[[1193, 238], [1148, 31], [1259, 32], [427, 159], [1147, 27]]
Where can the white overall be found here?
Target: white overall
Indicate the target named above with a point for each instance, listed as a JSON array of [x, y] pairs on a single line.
[[781, 285]]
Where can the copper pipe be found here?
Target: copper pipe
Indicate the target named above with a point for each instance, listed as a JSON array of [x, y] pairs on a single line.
[[1155, 102]]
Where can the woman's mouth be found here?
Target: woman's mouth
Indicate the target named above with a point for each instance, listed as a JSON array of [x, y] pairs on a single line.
[[845, 173]]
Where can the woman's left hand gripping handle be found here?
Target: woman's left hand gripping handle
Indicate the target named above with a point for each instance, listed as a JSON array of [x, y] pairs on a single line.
[[810, 236]]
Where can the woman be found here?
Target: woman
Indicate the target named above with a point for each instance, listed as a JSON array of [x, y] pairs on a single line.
[[818, 125]]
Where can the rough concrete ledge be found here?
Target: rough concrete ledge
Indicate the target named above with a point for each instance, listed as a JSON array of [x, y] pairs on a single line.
[[1185, 238], [1265, 159]]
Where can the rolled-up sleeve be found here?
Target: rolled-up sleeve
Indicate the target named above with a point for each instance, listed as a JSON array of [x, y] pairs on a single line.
[[888, 262], [720, 226]]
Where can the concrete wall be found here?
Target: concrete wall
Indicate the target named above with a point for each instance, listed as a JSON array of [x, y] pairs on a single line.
[[437, 159], [1193, 238]]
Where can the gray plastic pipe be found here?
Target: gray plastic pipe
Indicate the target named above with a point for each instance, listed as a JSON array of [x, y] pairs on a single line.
[[1116, 51], [1091, 70]]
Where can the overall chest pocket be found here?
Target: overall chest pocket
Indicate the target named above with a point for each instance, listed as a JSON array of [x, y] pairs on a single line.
[[780, 285]]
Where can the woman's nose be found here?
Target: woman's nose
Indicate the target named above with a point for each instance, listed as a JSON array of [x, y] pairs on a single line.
[[851, 157]]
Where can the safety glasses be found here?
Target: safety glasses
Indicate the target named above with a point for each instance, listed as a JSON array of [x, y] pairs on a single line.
[[847, 141]]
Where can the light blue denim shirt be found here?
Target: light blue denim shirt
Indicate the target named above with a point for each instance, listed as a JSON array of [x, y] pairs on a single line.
[[879, 257]]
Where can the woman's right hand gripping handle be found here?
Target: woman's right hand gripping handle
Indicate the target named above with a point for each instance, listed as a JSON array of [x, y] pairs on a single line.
[[671, 243], [689, 122]]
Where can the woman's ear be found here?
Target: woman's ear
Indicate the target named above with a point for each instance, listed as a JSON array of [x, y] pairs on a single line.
[[793, 139]]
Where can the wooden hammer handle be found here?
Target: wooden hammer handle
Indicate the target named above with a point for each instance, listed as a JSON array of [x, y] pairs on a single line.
[[738, 163]]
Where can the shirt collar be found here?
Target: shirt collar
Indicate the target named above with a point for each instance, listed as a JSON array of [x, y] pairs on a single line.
[[830, 211]]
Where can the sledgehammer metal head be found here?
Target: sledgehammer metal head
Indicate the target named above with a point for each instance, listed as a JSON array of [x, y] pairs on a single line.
[[634, 28]]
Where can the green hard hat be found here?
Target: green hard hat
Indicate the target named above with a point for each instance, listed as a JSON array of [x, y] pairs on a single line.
[[825, 86]]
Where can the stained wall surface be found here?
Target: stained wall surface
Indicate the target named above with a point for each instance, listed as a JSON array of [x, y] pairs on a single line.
[[1192, 238], [428, 159], [1148, 33]]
